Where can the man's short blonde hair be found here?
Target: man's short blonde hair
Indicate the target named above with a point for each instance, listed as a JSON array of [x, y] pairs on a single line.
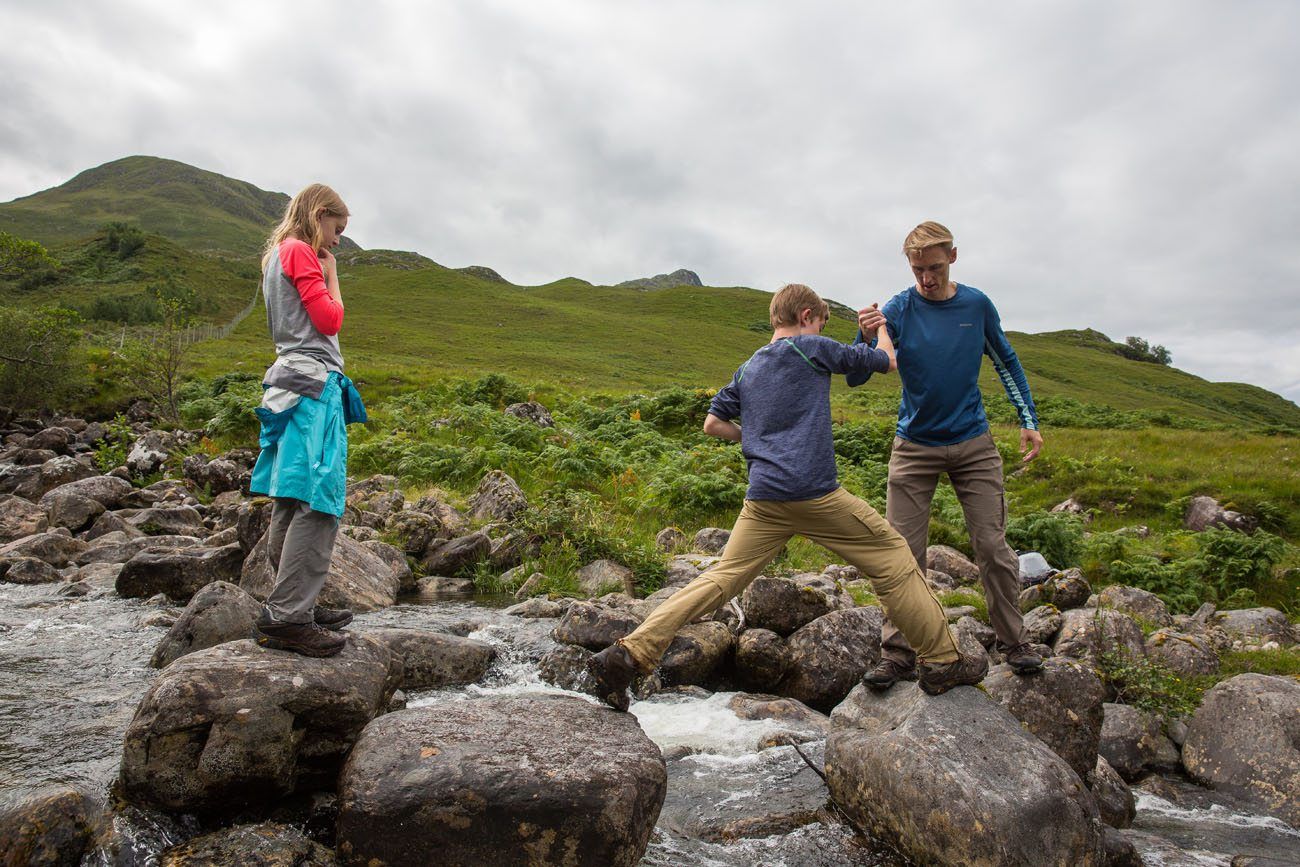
[[928, 234], [792, 299]]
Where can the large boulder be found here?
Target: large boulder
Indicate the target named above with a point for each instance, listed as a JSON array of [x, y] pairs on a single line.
[[433, 659], [1245, 740], [1087, 634], [178, 572], [695, 653], [1114, 798], [112, 548], [1130, 739], [108, 491], [1139, 604], [358, 577], [497, 498], [20, 518], [785, 604], [219, 612], [602, 576], [169, 521], [1043, 623], [235, 727], [540, 780], [568, 666], [149, 453], [51, 827], [34, 482], [415, 531], [1062, 705], [1188, 654], [56, 548], [1204, 512], [762, 658], [28, 570], [266, 845], [1256, 626], [955, 780], [452, 556], [595, 626], [950, 561], [70, 510], [830, 655]]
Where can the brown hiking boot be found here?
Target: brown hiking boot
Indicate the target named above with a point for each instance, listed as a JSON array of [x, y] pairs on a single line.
[[305, 638], [1023, 659], [332, 618], [613, 670], [888, 673], [938, 678]]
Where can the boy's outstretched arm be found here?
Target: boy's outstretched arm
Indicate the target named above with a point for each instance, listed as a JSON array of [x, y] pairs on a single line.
[[885, 345], [720, 427]]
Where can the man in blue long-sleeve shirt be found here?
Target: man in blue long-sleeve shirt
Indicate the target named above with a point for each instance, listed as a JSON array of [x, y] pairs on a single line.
[[941, 332]]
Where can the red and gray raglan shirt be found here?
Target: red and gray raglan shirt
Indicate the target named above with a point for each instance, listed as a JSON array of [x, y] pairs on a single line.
[[303, 318], [940, 345]]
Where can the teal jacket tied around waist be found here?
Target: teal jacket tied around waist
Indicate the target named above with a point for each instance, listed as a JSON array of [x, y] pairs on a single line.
[[305, 447]]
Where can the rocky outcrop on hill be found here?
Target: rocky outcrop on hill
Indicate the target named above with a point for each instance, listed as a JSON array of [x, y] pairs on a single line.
[[502, 780], [680, 277]]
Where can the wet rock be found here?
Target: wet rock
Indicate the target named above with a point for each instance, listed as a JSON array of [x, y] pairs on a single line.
[[1088, 633], [950, 561], [266, 845], [568, 667], [236, 727], [669, 539], [1254, 626], [1043, 623], [28, 570], [783, 605], [441, 586], [1203, 513], [1129, 740], [1245, 740], [1188, 655], [48, 828], [595, 626], [219, 612], [601, 576], [503, 780], [762, 658], [358, 578], [696, 651], [531, 411], [1114, 799], [497, 498], [1136, 603], [169, 521], [110, 549], [179, 573], [434, 659], [55, 548], [20, 518], [918, 772], [711, 540], [787, 710], [450, 557], [538, 608], [829, 656], [1061, 705]]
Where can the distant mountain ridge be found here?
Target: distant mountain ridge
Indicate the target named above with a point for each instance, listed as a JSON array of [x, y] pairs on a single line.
[[680, 277]]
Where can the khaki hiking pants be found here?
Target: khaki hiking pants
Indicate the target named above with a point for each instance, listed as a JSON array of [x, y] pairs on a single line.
[[839, 521], [975, 469]]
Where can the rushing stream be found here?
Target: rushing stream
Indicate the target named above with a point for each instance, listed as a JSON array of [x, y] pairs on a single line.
[[72, 671]]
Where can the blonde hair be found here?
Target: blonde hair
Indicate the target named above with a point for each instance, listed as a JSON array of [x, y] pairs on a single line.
[[790, 300], [928, 234], [302, 218]]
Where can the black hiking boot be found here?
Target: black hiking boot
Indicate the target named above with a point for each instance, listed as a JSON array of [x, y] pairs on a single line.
[[938, 678], [1023, 659], [888, 673], [613, 671], [332, 618], [305, 638]]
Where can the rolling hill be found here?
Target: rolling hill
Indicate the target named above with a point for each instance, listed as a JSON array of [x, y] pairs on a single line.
[[411, 320]]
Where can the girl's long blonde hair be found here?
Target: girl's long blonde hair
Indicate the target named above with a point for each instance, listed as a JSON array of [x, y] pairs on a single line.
[[302, 218]]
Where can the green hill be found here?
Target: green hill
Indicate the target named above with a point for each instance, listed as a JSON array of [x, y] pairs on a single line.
[[412, 321]]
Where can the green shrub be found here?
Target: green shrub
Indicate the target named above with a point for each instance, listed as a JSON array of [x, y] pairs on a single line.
[[26, 262], [695, 483], [1058, 536], [111, 451], [1148, 685], [581, 527], [493, 389], [123, 239]]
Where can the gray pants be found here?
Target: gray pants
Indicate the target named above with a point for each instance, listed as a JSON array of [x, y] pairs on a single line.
[[975, 469], [299, 545]]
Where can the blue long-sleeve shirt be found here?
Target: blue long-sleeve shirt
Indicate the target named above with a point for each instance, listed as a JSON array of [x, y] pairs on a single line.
[[782, 396], [940, 345]]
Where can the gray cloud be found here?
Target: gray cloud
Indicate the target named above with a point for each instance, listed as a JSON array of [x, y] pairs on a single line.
[[1127, 167]]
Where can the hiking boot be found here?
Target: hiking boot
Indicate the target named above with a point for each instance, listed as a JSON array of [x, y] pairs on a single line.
[[305, 638], [1023, 659], [332, 618], [888, 673], [613, 670], [938, 678]]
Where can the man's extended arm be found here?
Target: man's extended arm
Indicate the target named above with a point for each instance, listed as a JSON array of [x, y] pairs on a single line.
[[1012, 375]]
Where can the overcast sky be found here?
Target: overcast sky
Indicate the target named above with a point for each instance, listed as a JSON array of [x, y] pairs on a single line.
[[1130, 167]]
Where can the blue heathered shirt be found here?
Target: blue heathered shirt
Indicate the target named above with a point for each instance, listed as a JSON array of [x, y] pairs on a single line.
[[782, 397], [940, 345]]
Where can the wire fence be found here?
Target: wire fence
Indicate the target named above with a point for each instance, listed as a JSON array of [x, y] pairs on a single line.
[[208, 331]]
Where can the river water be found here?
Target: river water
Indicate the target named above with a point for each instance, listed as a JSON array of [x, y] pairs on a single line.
[[73, 670]]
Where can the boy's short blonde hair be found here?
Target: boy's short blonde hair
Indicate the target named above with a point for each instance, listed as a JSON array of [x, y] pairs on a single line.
[[792, 299], [928, 234]]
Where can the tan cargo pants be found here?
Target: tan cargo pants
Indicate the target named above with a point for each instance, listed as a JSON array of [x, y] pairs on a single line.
[[839, 521], [975, 469]]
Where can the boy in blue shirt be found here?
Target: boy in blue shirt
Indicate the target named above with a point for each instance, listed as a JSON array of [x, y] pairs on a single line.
[[782, 396]]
